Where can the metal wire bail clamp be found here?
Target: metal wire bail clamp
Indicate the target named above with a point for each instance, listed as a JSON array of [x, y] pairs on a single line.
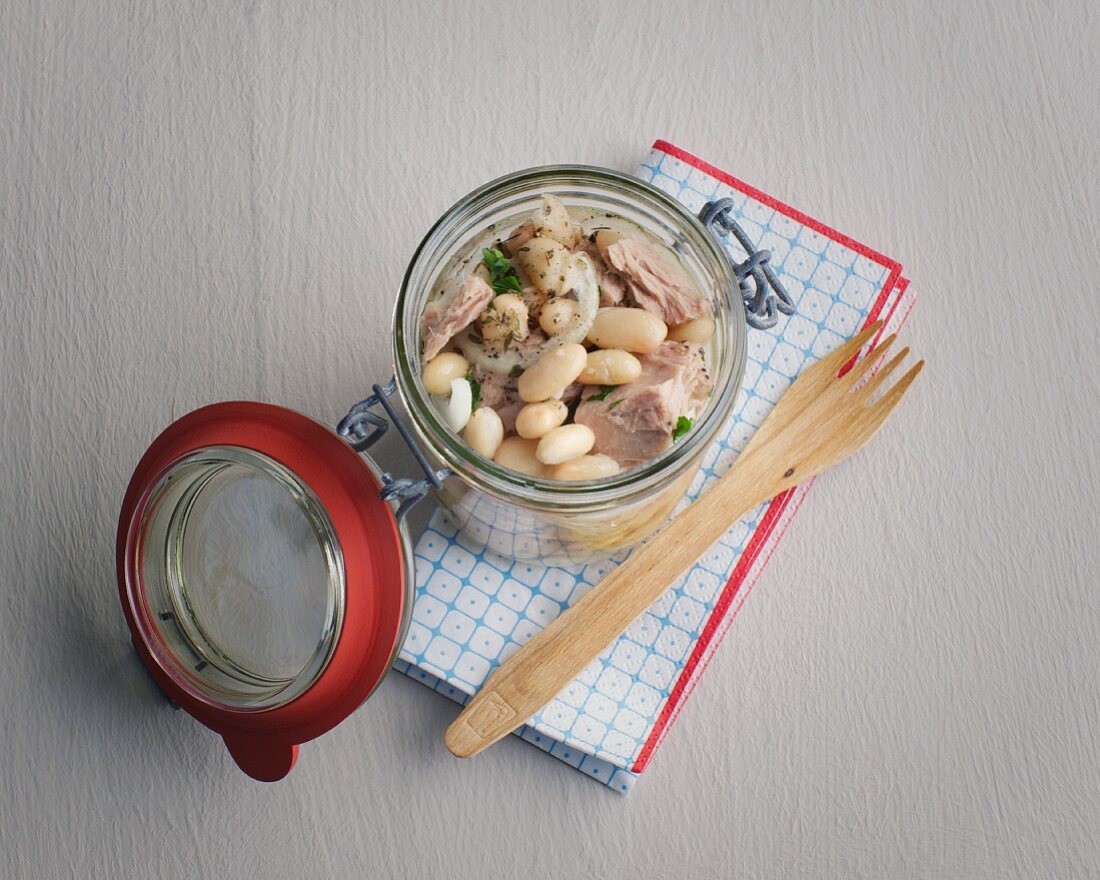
[[765, 296], [363, 428]]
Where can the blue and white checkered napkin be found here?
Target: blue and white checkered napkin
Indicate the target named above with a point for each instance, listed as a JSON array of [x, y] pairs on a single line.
[[474, 609]]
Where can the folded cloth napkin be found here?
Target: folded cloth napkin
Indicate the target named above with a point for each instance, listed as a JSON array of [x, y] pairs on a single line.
[[473, 608]]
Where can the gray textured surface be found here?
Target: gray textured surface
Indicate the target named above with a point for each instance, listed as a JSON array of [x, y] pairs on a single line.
[[204, 201]]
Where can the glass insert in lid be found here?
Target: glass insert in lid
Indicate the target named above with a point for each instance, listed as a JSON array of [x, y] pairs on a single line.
[[242, 578]]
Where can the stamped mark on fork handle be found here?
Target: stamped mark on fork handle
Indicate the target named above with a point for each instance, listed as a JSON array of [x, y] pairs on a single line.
[[489, 714]]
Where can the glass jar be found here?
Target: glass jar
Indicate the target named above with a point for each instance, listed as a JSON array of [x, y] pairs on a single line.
[[528, 518]]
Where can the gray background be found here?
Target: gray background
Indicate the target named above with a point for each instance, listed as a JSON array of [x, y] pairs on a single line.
[[204, 201]]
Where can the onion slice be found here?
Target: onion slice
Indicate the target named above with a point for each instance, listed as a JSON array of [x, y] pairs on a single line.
[[616, 224], [459, 406]]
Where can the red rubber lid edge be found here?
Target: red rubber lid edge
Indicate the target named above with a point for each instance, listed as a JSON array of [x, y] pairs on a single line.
[[264, 744]]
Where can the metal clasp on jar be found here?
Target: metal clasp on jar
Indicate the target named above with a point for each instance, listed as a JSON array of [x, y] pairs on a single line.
[[765, 296], [362, 428]]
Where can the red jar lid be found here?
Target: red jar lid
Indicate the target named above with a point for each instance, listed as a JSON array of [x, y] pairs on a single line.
[[262, 577]]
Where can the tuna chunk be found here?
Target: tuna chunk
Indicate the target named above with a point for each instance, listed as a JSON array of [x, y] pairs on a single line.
[[449, 314], [634, 423], [496, 390], [499, 392], [508, 413], [612, 285], [656, 282]]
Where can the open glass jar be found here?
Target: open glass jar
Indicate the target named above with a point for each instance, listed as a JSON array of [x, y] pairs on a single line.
[[264, 566], [527, 518]]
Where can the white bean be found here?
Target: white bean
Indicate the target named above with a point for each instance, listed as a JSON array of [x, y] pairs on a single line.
[[441, 370], [565, 443], [534, 300], [518, 454], [551, 220], [505, 319], [621, 225], [485, 431], [543, 261], [700, 330], [629, 329], [456, 412], [518, 238], [552, 372], [558, 314], [610, 366], [587, 467], [537, 419]]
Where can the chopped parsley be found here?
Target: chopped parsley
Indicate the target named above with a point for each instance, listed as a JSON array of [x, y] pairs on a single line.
[[615, 403], [683, 425], [602, 393], [503, 277], [475, 391], [495, 261]]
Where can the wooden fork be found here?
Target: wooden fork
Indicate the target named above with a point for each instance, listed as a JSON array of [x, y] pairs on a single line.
[[821, 420]]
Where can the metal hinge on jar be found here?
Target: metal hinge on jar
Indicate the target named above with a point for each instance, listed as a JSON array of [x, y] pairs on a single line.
[[363, 428], [762, 292]]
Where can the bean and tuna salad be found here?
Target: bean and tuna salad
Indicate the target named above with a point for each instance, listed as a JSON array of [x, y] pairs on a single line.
[[571, 348]]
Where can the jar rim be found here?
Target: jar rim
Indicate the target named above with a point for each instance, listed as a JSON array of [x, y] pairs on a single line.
[[488, 476]]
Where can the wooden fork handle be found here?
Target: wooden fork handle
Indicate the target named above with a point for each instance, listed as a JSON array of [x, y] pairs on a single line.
[[818, 422], [533, 676]]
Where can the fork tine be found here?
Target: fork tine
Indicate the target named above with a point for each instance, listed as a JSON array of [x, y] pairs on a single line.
[[826, 369], [881, 409], [876, 381], [873, 357]]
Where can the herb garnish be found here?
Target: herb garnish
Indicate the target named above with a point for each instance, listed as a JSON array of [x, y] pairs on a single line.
[[615, 403], [475, 390], [602, 393], [683, 425], [503, 277], [495, 261]]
